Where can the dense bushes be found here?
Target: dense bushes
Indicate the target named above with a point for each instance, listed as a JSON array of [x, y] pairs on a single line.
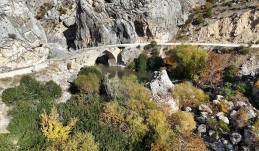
[[188, 95], [29, 99], [89, 83], [186, 61], [29, 90], [144, 63], [183, 122]]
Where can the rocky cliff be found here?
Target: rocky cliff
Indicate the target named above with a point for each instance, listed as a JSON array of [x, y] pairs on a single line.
[[226, 22], [102, 22], [22, 38]]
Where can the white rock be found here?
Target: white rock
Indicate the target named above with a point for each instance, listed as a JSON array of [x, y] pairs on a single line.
[[205, 108], [215, 101], [223, 118], [202, 128], [235, 138], [70, 21], [188, 109]]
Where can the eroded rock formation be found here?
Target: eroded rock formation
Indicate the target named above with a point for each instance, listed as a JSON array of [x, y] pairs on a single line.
[[22, 38], [102, 22]]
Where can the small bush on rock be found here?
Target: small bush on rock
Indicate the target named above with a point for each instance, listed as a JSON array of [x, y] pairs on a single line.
[[242, 118]]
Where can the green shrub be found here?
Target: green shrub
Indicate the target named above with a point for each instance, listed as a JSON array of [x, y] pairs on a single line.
[[28, 100], [132, 65], [219, 126], [231, 73], [207, 13], [243, 88], [6, 143], [242, 50], [91, 69], [12, 95], [87, 109], [152, 44], [30, 90], [198, 20], [54, 89], [190, 19], [88, 83], [228, 91]]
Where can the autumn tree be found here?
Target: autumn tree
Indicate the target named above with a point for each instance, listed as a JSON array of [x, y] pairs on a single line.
[[78, 141], [183, 122], [189, 95], [159, 123], [212, 73], [186, 61], [53, 129]]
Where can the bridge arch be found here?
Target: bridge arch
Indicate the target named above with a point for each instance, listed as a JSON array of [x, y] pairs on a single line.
[[107, 58]]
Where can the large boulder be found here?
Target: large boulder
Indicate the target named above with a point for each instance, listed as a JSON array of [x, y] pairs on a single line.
[[161, 87], [102, 22], [22, 38]]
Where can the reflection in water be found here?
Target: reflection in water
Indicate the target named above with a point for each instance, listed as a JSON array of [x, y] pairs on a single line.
[[120, 72]]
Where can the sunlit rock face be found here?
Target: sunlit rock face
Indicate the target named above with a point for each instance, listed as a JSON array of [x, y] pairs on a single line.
[[102, 22], [22, 38]]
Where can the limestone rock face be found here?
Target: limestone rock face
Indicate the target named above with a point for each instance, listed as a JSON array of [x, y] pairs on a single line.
[[241, 27], [102, 22], [22, 38]]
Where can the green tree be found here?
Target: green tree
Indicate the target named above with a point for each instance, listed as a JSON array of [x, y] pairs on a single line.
[[141, 63], [154, 63], [186, 61]]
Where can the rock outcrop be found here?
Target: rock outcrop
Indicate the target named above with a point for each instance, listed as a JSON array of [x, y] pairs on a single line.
[[161, 87], [22, 38], [102, 22], [230, 26]]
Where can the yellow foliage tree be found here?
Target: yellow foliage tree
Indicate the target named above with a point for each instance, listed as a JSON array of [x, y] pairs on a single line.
[[159, 122], [183, 122], [53, 129]]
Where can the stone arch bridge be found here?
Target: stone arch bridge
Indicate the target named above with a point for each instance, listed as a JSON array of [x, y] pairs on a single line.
[[89, 56]]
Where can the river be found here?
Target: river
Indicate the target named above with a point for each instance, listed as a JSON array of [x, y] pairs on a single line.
[[120, 72]]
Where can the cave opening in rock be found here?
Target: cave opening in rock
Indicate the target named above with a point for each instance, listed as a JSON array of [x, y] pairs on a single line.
[[106, 59], [139, 29]]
